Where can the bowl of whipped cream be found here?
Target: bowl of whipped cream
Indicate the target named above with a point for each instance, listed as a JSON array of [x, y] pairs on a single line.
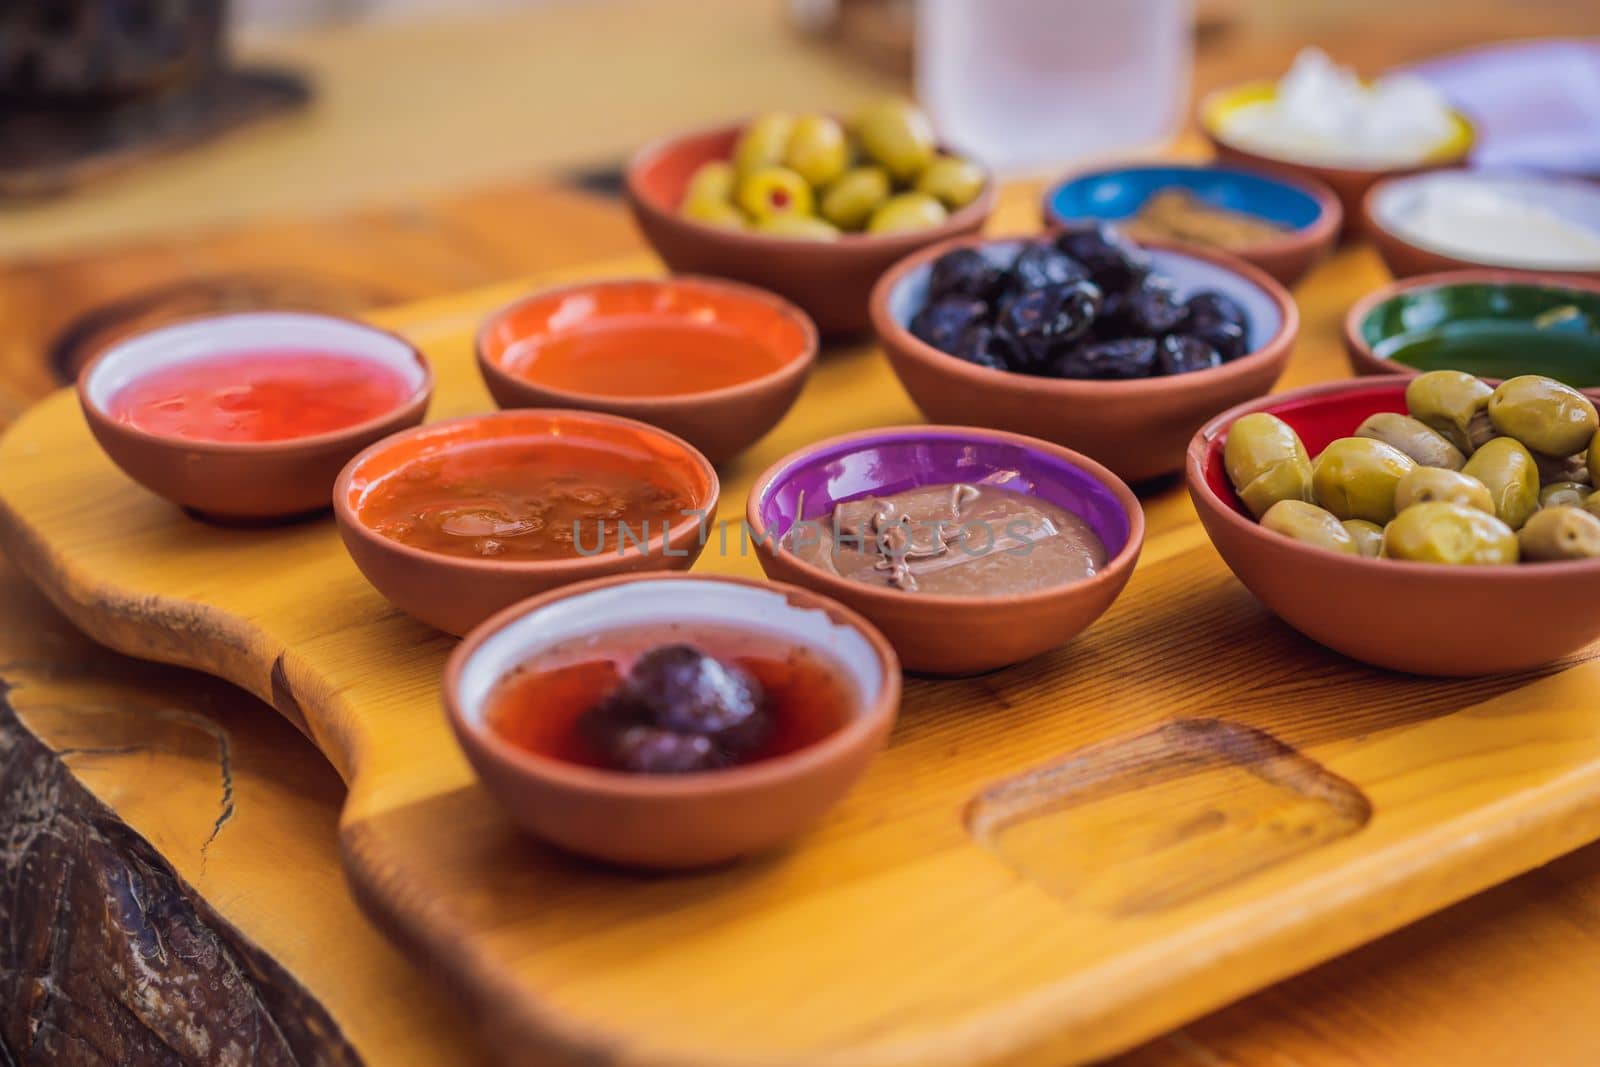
[[1460, 219], [1323, 121]]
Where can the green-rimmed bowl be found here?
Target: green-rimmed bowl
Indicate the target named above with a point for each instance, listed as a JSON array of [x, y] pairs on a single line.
[[1491, 323]]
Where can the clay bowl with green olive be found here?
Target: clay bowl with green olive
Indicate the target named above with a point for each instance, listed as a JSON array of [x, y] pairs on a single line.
[[1496, 324], [1437, 525], [811, 207]]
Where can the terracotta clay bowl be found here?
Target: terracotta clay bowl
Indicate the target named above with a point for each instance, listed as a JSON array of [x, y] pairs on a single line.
[[1137, 428], [1306, 208], [245, 481], [950, 635], [1492, 323], [1422, 618], [673, 821], [456, 593], [1349, 184], [722, 421], [1389, 204], [829, 280]]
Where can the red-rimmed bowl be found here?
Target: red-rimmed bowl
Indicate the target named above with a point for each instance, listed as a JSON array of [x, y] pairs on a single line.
[[1139, 428], [455, 593], [830, 280], [686, 820], [1422, 618], [722, 421], [245, 481]]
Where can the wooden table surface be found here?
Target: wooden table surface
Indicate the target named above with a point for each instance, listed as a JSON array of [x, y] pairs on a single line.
[[243, 810]]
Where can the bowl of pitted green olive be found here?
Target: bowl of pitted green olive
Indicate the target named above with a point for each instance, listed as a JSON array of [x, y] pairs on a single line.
[[1437, 526], [812, 207]]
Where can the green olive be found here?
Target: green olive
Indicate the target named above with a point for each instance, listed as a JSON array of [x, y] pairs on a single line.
[[1560, 533], [1355, 478], [955, 182], [1266, 462], [1368, 536], [771, 191], [1593, 459], [1415, 438], [1561, 468], [806, 227], [896, 134], [1507, 468], [907, 211], [711, 181], [817, 149], [1591, 504], [850, 201], [1564, 495], [715, 212], [763, 142], [1423, 484], [1309, 524], [1544, 414], [1442, 532], [1447, 400]]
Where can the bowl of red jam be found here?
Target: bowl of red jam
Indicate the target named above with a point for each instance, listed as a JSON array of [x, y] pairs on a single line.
[[459, 519], [717, 363], [672, 721], [251, 416]]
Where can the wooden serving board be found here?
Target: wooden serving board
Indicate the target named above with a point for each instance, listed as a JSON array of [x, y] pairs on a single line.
[[1049, 864]]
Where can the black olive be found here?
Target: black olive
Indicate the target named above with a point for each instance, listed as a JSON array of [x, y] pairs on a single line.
[[1211, 306], [648, 750], [1149, 309], [1177, 354], [943, 323], [1225, 337], [1036, 326], [982, 346], [967, 273], [1113, 262], [1132, 357], [1040, 264]]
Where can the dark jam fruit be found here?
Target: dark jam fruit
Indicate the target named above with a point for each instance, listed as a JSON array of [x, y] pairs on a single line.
[[965, 273], [1086, 305], [652, 700]]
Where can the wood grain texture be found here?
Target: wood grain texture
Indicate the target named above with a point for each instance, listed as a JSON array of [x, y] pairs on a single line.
[[890, 935]]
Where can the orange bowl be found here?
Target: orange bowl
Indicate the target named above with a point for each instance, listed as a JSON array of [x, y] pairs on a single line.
[[1422, 618], [455, 593], [684, 820], [656, 332], [830, 280]]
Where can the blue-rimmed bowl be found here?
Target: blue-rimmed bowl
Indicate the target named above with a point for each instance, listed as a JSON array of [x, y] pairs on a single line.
[[950, 635], [1138, 428], [1306, 207]]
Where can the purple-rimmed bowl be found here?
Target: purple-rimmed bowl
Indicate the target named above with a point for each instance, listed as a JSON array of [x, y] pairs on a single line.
[[950, 635]]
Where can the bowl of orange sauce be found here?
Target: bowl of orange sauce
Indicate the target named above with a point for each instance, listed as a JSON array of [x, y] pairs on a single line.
[[459, 519], [250, 416], [714, 362]]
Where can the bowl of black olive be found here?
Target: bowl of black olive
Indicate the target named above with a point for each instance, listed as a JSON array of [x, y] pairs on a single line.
[[1084, 338]]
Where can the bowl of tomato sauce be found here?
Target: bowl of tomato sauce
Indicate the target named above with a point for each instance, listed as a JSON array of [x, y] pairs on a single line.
[[671, 720], [251, 416], [456, 520], [716, 362]]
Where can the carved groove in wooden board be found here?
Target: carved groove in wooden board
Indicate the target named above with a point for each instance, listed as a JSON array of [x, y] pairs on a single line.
[[890, 935]]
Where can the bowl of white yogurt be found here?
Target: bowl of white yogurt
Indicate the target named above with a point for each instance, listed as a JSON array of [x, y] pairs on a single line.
[[1321, 120], [1459, 219]]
